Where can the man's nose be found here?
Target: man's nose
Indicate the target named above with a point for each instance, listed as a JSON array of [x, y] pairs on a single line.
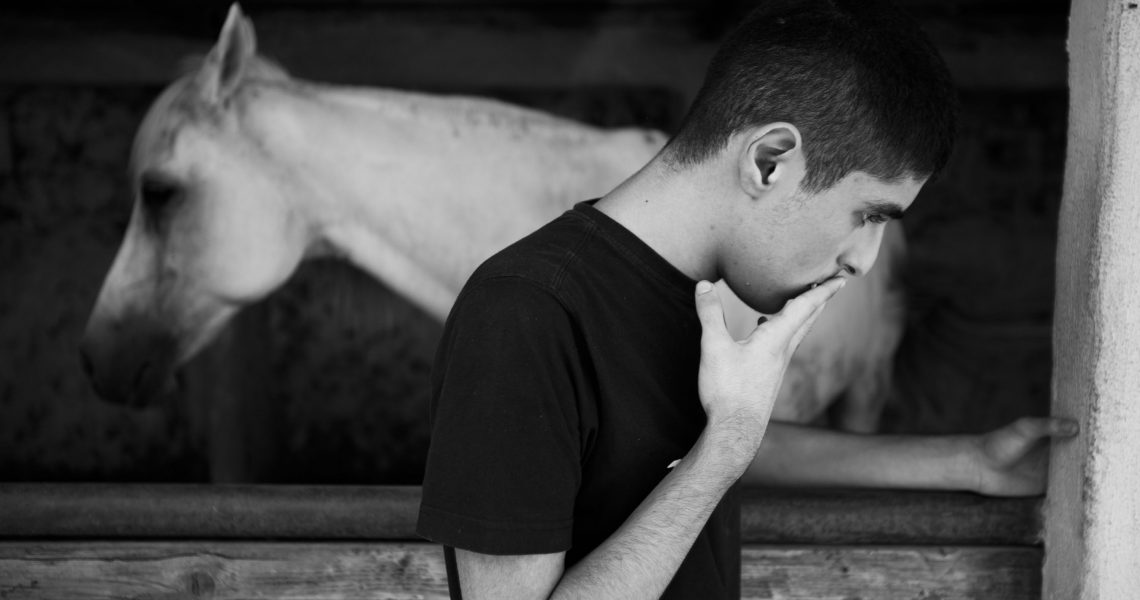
[[861, 257]]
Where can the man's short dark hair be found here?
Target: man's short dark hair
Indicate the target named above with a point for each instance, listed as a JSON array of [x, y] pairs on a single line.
[[858, 78]]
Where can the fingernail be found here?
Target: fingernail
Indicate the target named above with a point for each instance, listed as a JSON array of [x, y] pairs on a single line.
[[704, 287]]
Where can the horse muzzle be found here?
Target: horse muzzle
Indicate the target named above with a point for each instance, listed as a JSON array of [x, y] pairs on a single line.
[[131, 366]]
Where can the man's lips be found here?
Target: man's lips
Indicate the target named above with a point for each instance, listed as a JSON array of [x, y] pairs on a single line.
[[821, 282]]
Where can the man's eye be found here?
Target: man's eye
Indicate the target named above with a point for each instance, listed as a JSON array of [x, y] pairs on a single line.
[[875, 218]]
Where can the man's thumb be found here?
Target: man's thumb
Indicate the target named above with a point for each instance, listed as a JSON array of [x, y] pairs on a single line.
[[709, 309]]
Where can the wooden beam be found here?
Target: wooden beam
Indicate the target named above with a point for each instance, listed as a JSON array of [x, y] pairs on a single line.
[[455, 49], [148, 511], [207, 511], [397, 571], [1093, 509], [226, 388], [220, 570], [796, 516], [890, 573]]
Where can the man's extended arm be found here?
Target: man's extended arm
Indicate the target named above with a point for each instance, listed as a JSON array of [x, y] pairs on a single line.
[[1007, 462], [1010, 461]]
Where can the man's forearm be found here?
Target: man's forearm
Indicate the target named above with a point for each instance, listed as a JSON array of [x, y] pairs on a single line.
[[797, 455], [641, 557]]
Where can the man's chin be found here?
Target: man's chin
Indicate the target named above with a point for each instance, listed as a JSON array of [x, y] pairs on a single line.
[[770, 306]]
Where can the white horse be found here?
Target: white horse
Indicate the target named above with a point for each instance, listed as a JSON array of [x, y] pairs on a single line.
[[240, 172]]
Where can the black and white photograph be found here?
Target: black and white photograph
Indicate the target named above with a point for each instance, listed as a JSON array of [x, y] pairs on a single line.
[[557, 299]]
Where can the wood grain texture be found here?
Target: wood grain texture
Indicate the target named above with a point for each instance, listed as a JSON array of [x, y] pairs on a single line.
[[241, 570], [891, 573], [182, 571]]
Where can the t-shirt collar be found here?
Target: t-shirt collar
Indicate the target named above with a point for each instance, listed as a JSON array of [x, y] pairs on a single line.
[[633, 246]]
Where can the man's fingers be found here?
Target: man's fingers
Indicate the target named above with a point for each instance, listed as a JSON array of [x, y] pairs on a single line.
[[1060, 427], [800, 311], [1039, 427], [709, 310], [805, 327]]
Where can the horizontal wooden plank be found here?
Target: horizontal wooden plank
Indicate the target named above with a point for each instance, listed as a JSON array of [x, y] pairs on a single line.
[[186, 570], [461, 50], [389, 513], [224, 570], [891, 573], [888, 517], [208, 511]]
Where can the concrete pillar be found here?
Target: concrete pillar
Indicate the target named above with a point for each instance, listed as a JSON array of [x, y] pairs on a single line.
[[1092, 537]]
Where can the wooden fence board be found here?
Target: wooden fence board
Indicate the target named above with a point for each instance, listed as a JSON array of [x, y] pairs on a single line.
[[769, 516], [349, 570], [208, 511], [891, 573], [799, 516], [220, 570]]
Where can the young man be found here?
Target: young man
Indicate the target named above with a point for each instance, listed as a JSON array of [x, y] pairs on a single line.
[[577, 366]]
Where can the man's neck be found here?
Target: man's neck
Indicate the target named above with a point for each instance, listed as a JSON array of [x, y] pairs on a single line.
[[676, 213]]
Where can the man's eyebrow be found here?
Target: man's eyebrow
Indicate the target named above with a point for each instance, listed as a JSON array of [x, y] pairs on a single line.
[[886, 209]]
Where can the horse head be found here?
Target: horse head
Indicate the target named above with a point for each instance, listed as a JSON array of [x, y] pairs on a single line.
[[209, 230]]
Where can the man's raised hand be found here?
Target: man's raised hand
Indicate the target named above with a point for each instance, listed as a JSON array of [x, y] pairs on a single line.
[[739, 380]]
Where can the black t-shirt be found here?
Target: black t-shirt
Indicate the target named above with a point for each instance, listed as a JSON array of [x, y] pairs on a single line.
[[564, 386]]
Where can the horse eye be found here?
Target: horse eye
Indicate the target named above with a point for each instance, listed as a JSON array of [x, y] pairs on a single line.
[[156, 195]]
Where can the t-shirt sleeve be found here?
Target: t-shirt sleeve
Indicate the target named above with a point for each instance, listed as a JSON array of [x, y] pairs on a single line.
[[503, 466]]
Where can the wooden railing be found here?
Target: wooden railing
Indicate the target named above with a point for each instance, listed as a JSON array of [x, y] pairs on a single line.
[[244, 541]]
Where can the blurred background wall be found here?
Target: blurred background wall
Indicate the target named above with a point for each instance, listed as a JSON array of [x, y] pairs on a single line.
[[329, 375]]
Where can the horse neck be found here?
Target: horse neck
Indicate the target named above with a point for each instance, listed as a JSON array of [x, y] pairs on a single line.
[[417, 189]]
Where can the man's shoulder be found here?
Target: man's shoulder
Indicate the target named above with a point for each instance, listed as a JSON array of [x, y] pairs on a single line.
[[542, 258]]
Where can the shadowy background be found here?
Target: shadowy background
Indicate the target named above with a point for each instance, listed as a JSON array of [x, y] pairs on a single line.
[[332, 371]]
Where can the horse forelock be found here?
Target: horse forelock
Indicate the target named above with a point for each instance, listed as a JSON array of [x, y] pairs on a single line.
[[182, 103], [159, 128]]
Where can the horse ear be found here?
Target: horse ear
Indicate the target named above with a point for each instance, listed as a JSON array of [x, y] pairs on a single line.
[[226, 64]]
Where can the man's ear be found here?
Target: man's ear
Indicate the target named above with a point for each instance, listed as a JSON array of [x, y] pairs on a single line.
[[773, 157]]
